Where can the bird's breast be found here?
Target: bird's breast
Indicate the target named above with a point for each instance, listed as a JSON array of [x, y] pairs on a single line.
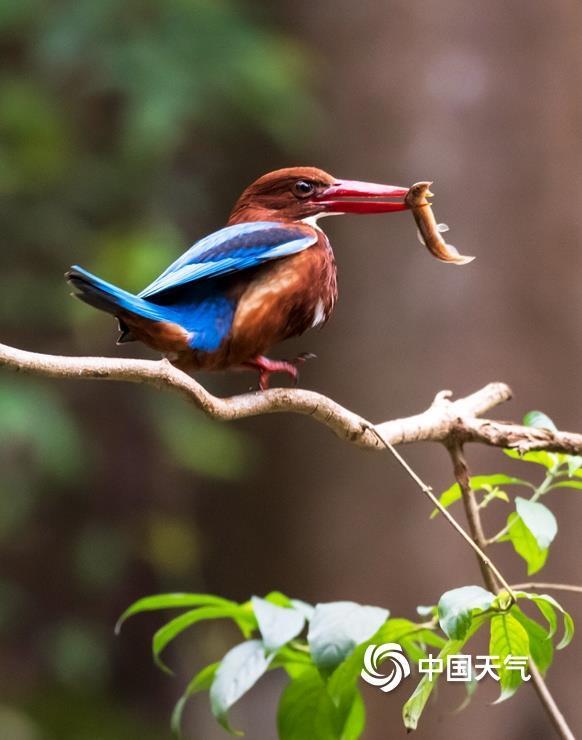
[[284, 299]]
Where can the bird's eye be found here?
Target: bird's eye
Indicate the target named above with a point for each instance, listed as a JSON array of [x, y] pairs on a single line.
[[303, 188]]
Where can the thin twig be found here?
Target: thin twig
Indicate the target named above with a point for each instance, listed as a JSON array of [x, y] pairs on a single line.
[[548, 587], [548, 702], [427, 490]]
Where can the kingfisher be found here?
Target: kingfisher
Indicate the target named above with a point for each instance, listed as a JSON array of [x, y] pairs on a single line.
[[269, 275]]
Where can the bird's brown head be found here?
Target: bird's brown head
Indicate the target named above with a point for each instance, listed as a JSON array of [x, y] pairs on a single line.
[[297, 193]]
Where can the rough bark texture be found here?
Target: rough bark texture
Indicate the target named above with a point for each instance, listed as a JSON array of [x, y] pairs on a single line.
[[444, 421]]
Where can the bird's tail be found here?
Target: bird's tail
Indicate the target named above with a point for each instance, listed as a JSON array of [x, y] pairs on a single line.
[[107, 297]]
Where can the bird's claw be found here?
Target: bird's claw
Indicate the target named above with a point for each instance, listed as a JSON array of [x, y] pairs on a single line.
[[298, 361], [304, 356], [267, 367]]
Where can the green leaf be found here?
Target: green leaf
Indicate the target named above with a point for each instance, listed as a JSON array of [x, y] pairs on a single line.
[[546, 608], [477, 483], [412, 637], [176, 626], [568, 631], [525, 543], [289, 656], [414, 644], [539, 520], [539, 420], [336, 628], [202, 681], [508, 638], [356, 719], [470, 688], [574, 463], [414, 707], [293, 669], [170, 601], [577, 484], [546, 605], [306, 709], [428, 612], [277, 624], [540, 647], [399, 629], [502, 601], [448, 497], [278, 598], [239, 670], [306, 609], [494, 493], [457, 608], [549, 460], [342, 687]]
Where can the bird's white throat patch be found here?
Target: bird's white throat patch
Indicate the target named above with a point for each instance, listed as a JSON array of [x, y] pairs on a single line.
[[312, 220]]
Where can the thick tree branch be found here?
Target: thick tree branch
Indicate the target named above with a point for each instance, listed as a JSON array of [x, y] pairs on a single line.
[[443, 421]]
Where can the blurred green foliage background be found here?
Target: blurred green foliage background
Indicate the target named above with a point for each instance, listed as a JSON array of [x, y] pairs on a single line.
[[117, 122]]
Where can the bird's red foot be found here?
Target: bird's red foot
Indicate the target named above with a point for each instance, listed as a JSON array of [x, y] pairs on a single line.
[[266, 367]]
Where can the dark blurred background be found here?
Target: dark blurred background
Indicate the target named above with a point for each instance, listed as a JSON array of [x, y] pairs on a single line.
[[127, 130]]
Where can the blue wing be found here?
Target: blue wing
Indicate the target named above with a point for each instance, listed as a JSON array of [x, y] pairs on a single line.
[[232, 249], [205, 317], [205, 314]]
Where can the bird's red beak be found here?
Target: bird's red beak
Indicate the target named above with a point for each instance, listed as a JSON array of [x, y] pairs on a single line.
[[351, 196]]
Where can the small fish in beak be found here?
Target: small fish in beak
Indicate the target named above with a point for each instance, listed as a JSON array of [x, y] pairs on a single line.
[[429, 232]]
